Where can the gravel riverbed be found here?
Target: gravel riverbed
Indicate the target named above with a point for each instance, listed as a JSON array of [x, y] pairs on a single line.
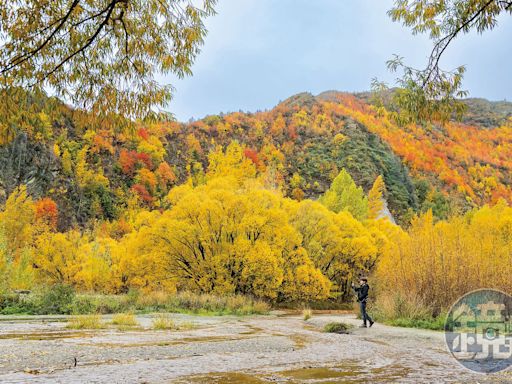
[[258, 349]]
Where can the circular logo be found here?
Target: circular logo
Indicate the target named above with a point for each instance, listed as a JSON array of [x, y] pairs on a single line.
[[478, 330]]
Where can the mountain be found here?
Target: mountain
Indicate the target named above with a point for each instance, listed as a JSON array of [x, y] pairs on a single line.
[[93, 168]]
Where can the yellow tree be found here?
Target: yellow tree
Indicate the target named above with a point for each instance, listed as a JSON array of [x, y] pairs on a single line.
[[17, 221], [430, 264], [101, 54], [224, 239], [230, 162], [57, 258], [375, 198], [95, 268], [340, 246]]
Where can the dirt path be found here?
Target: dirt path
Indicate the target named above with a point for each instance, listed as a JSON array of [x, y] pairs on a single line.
[[262, 349]]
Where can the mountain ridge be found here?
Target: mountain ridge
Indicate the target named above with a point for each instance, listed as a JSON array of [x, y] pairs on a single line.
[[91, 167]]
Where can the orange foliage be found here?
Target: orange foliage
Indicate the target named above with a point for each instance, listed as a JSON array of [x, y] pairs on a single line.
[[47, 212], [143, 133], [252, 155], [467, 159], [129, 159], [143, 193], [165, 174]]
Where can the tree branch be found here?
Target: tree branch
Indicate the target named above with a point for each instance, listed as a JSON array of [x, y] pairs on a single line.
[[21, 59], [441, 46], [87, 44]]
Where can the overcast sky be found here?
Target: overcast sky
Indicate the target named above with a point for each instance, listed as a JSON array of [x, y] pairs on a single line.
[[259, 52]]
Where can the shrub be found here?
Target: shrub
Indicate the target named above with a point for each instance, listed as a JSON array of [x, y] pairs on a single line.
[[110, 304], [398, 306], [436, 324], [306, 314], [336, 327], [83, 305], [55, 300], [11, 304], [163, 322], [125, 319], [104, 304], [62, 300], [406, 310], [85, 322], [207, 303], [132, 296], [153, 301]]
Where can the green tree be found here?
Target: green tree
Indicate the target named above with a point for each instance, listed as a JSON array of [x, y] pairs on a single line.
[[345, 195]]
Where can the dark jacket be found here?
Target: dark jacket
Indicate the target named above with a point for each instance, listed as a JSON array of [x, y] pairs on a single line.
[[362, 292]]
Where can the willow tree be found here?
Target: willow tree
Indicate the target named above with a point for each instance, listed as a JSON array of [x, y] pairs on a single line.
[[432, 93], [101, 54]]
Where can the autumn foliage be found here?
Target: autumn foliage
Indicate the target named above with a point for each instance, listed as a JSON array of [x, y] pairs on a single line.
[[289, 204], [227, 235], [47, 212], [468, 160], [435, 263]]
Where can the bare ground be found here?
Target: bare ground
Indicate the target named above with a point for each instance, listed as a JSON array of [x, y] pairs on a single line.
[[257, 349]]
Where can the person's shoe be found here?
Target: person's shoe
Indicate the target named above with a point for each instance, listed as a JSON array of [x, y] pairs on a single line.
[[371, 323], [363, 326]]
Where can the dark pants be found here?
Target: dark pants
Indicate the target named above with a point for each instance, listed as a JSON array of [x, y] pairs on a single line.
[[364, 315]]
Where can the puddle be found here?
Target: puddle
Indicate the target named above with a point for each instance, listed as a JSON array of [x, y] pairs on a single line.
[[251, 330], [376, 341], [311, 327], [44, 335], [349, 372], [390, 373], [321, 374], [222, 378], [185, 340]]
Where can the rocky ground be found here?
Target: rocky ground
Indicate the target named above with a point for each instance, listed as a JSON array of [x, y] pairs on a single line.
[[259, 349]]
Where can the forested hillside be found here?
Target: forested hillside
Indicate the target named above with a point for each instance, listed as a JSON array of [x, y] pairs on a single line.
[[284, 205], [94, 168]]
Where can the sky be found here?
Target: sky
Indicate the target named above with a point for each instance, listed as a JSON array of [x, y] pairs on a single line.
[[259, 52]]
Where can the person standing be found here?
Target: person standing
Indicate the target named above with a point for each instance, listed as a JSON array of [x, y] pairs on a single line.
[[362, 298]]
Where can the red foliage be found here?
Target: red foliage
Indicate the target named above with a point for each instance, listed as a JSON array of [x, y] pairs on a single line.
[[129, 159], [47, 212], [252, 155], [143, 133], [455, 154], [145, 159], [143, 193]]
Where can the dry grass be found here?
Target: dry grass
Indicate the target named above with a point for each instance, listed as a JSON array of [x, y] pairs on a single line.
[[186, 325], [336, 327], [406, 311], [396, 306], [201, 303], [163, 322], [307, 313], [85, 322], [154, 299], [125, 320], [260, 307]]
